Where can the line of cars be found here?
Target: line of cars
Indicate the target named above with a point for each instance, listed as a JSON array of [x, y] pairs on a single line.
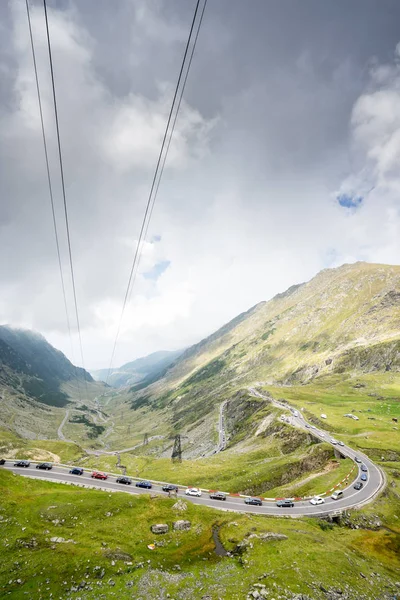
[[196, 492], [45, 466]]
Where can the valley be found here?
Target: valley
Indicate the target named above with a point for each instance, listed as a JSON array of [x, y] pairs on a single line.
[[256, 405]]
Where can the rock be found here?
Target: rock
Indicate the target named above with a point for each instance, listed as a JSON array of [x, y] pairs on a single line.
[[181, 525], [180, 505], [160, 528], [111, 582]]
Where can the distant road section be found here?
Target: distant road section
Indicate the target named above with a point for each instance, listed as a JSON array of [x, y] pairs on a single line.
[[60, 434], [221, 428]]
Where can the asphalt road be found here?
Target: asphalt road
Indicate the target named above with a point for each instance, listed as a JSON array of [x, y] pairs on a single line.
[[351, 497], [221, 428]]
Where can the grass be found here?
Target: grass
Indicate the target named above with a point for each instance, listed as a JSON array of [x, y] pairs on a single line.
[[252, 472], [373, 398], [304, 486], [109, 553], [12, 446]]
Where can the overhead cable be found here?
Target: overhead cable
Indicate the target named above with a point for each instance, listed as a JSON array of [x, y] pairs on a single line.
[[63, 188], [158, 172]]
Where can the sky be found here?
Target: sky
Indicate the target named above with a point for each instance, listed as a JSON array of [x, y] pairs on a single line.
[[285, 161]]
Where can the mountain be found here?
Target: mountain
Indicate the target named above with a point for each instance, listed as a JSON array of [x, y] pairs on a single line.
[[139, 370], [310, 329], [30, 366], [345, 320]]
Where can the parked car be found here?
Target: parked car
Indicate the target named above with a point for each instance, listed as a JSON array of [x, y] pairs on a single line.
[[317, 500], [124, 479], [286, 503], [2, 461], [99, 475], [45, 466], [22, 463], [170, 487], [76, 471], [363, 468], [358, 460], [217, 496], [336, 495], [364, 477], [358, 485], [193, 492], [253, 501], [144, 484]]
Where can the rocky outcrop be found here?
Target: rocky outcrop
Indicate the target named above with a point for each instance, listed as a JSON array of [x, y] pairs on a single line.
[[160, 528], [181, 525]]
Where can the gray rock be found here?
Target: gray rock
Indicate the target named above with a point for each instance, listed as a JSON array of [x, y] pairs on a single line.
[[181, 525], [160, 528]]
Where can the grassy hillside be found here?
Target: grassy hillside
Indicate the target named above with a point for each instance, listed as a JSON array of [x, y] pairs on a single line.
[[38, 384], [61, 541], [344, 322]]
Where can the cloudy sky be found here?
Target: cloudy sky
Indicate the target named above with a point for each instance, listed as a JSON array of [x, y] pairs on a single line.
[[285, 160]]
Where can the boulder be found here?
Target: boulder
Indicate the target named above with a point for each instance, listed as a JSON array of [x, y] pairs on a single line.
[[160, 528], [180, 505], [181, 525]]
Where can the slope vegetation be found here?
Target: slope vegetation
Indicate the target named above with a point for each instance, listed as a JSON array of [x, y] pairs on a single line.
[[344, 321]]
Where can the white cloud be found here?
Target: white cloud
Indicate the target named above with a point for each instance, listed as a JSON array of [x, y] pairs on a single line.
[[245, 207]]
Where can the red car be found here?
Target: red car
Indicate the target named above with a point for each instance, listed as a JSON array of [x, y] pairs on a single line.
[[99, 475]]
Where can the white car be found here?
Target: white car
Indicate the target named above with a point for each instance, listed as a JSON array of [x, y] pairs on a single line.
[[193, 492], [317, 500], [321, 434], [341, 443], [333, 441]]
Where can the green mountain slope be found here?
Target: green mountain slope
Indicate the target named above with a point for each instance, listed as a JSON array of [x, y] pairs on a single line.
[[307, 331], [29, 364], [37, 382], [345, 320]]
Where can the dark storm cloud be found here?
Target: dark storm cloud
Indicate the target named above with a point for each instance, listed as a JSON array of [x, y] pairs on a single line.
[[272, 131]]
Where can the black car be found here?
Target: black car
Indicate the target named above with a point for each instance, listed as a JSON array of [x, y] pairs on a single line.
[[144, 484], [217, 496], [76, 471], [358, 486], [253, 501], [45, 466], [124, 479], [363, 468], [2, 461], [22, 463], [170, 487], [285, 503]]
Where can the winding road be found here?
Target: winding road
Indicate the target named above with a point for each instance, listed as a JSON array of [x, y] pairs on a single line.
[[351, 498], [221, 428], [60, 434]]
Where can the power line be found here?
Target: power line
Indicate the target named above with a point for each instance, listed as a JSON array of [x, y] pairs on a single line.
[[151, 200], [47, 167], [63, 188], [49, 183], [170, 138]]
